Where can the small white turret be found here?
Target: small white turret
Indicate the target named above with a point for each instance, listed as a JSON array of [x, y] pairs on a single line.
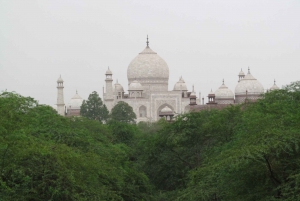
[[193, 97], [241, 75]]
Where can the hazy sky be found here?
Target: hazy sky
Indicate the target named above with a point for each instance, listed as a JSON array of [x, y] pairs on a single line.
[[204, 41]]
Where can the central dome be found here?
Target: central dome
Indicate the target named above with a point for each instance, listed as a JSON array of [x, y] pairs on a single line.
[[148, 68]]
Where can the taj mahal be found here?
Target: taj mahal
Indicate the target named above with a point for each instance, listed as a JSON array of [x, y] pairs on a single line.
[[148, 94]]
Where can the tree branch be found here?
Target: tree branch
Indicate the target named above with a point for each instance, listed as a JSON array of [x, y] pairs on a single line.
[[271, 171]]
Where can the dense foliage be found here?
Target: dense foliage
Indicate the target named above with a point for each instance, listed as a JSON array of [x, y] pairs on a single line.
[[248, 152], [48, 157]]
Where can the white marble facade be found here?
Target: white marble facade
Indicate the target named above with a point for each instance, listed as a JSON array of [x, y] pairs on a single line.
[[148, 76], [148, 94]]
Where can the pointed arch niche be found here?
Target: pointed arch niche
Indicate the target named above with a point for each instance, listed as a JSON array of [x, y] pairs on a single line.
[[142, 111]]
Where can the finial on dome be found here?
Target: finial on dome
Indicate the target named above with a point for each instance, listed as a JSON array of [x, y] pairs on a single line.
[[147, 42], [76, 91], [193, 88], [223, 80], [274, 81], [248, 70]]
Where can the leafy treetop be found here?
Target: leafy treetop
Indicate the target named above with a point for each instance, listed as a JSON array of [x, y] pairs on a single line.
[[123, 112], [94, 108]]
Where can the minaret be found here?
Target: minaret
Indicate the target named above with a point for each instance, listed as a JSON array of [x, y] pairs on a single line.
[[109, 88], [60, 97], [241, 75], [193, 98]]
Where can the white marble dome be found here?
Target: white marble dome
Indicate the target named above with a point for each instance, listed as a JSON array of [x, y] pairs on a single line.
[[118, 87], [75, 102], [224, 92], [180, 85], [249, 84], [135, 86], [274, 87], [148, 67]]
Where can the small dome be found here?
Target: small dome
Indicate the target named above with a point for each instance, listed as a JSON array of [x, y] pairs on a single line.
[[224, 93], [118, 87], [166, 109], [135, 86], [241, 73], [274, 87], [249, 84], [192, 94], [75, 102], [60, 79], [108, 72], [180, 85], [211, 93]]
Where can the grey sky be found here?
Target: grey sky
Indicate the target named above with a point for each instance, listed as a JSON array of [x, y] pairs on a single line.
[[204, 41]]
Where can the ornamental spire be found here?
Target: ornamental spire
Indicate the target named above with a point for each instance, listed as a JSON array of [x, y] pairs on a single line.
[[147, 42]]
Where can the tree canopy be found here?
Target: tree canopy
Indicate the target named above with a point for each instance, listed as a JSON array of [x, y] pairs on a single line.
[[247, 152], [44, 156], [94, 108], [123, 112]]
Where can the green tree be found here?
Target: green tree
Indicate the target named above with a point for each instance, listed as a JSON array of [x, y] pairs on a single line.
[[123, 112], [94, 108], [44, 156], [260, 161]]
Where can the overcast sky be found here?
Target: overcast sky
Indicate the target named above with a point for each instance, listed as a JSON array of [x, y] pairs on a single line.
[[204, 41]]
